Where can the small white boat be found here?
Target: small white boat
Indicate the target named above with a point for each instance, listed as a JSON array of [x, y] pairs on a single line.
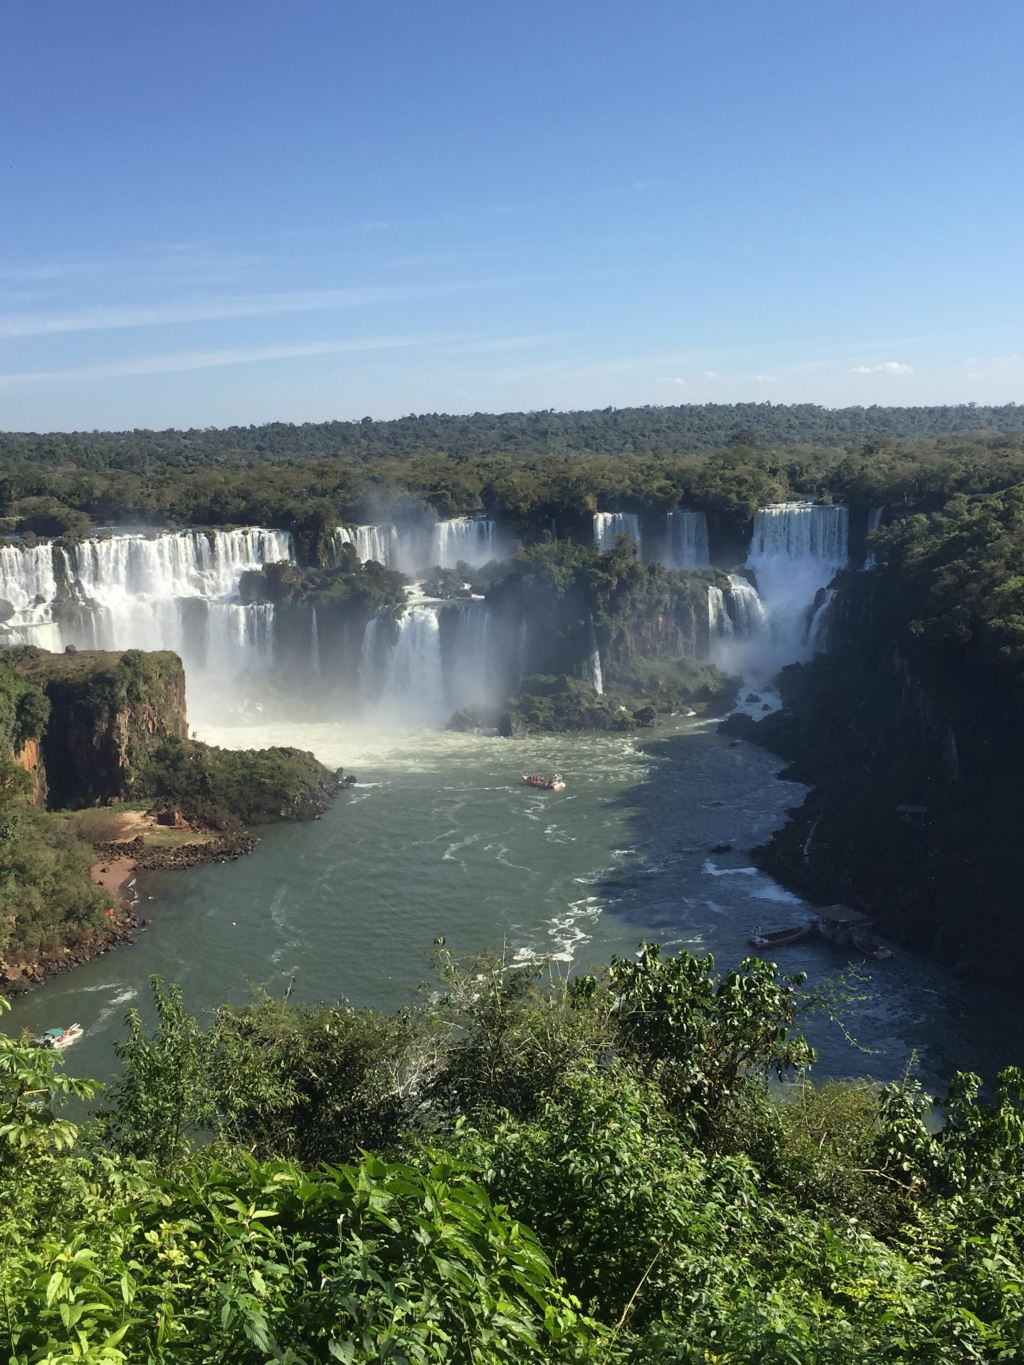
[[57, 1038]]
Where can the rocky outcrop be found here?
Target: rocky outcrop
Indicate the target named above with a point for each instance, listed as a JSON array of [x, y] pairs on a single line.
[[29, 758], [108, 712]]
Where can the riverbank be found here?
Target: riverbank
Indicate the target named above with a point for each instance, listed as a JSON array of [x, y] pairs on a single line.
[[149, 844]]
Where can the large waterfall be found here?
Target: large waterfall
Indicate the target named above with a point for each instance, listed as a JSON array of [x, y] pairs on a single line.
[[174, 591], [608, 526], [735, 615], [414, 547], [371, 542], [469, 539], [796, 550], [686, 541], [413, 681]]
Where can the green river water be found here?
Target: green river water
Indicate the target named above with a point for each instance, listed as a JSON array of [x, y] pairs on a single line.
[[442, 837]]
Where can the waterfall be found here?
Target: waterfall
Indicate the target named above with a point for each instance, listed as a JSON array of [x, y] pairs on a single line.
[[369, 659], [173, 591], [471, 668], [719, 621], [596, 672], [413, 683], [744, 607], [27, 581], [821, 622], [379, 543], [314, 643], [608, 526], [467, 539], [796, 550], [686, 540], [523, 650], [874, 521]]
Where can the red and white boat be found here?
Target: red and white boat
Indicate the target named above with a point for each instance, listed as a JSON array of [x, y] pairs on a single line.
[[59, 1038], [548, 784]]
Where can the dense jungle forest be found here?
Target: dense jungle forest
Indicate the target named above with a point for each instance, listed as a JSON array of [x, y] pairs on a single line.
[[511, 1168], [536, 472]]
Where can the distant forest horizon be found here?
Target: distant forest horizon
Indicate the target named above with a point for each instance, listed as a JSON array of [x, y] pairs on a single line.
[[650, 430]]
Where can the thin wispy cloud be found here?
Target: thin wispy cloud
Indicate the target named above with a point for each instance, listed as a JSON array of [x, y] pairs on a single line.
[[183, 361], [883, 367], [675, 379], [225, 308]]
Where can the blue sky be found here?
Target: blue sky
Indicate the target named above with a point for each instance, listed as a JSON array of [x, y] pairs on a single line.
[[238, 211]]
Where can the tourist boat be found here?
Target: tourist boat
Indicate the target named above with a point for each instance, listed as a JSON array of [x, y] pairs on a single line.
[[865, 944], [779, 938], [548, 784], [60, 1037]]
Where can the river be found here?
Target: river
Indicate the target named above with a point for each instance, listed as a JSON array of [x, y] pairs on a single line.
[[441, 837]]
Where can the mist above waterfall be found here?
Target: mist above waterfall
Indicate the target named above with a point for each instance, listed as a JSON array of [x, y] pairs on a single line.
[[796, 549], [260, 633]]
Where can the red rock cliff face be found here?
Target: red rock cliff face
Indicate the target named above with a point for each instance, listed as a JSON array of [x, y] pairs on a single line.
[[29, 758]]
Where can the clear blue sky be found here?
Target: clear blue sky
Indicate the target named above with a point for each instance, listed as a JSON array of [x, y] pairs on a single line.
[[220, 211]]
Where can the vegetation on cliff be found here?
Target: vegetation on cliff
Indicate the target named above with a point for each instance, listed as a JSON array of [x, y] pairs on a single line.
[[222, 788], [911, 732], [645, 623], [107, 712], [596, 1170]]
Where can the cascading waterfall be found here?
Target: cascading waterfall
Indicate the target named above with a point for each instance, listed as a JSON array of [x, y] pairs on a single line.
[[471, 671], [796, 550], [596, 671], [314, 643], [173, 591], [719, 621], [686, 540], [608, 526], [821, 622], [378, 542], [467, 539], [745, 608], [523, 649], [874, 521], [27, 580], [413, 674]]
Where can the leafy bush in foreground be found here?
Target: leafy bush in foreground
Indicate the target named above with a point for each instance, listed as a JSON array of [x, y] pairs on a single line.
[[585, 1171]]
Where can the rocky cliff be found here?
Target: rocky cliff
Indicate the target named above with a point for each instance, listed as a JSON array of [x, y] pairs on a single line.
[[108, 712]]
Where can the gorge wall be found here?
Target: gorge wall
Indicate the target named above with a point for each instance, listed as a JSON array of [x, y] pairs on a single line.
[[108, 713], [914, 766]]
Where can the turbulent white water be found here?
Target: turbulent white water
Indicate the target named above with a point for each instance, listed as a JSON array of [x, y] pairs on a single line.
[[608, 526], [686, 541]]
